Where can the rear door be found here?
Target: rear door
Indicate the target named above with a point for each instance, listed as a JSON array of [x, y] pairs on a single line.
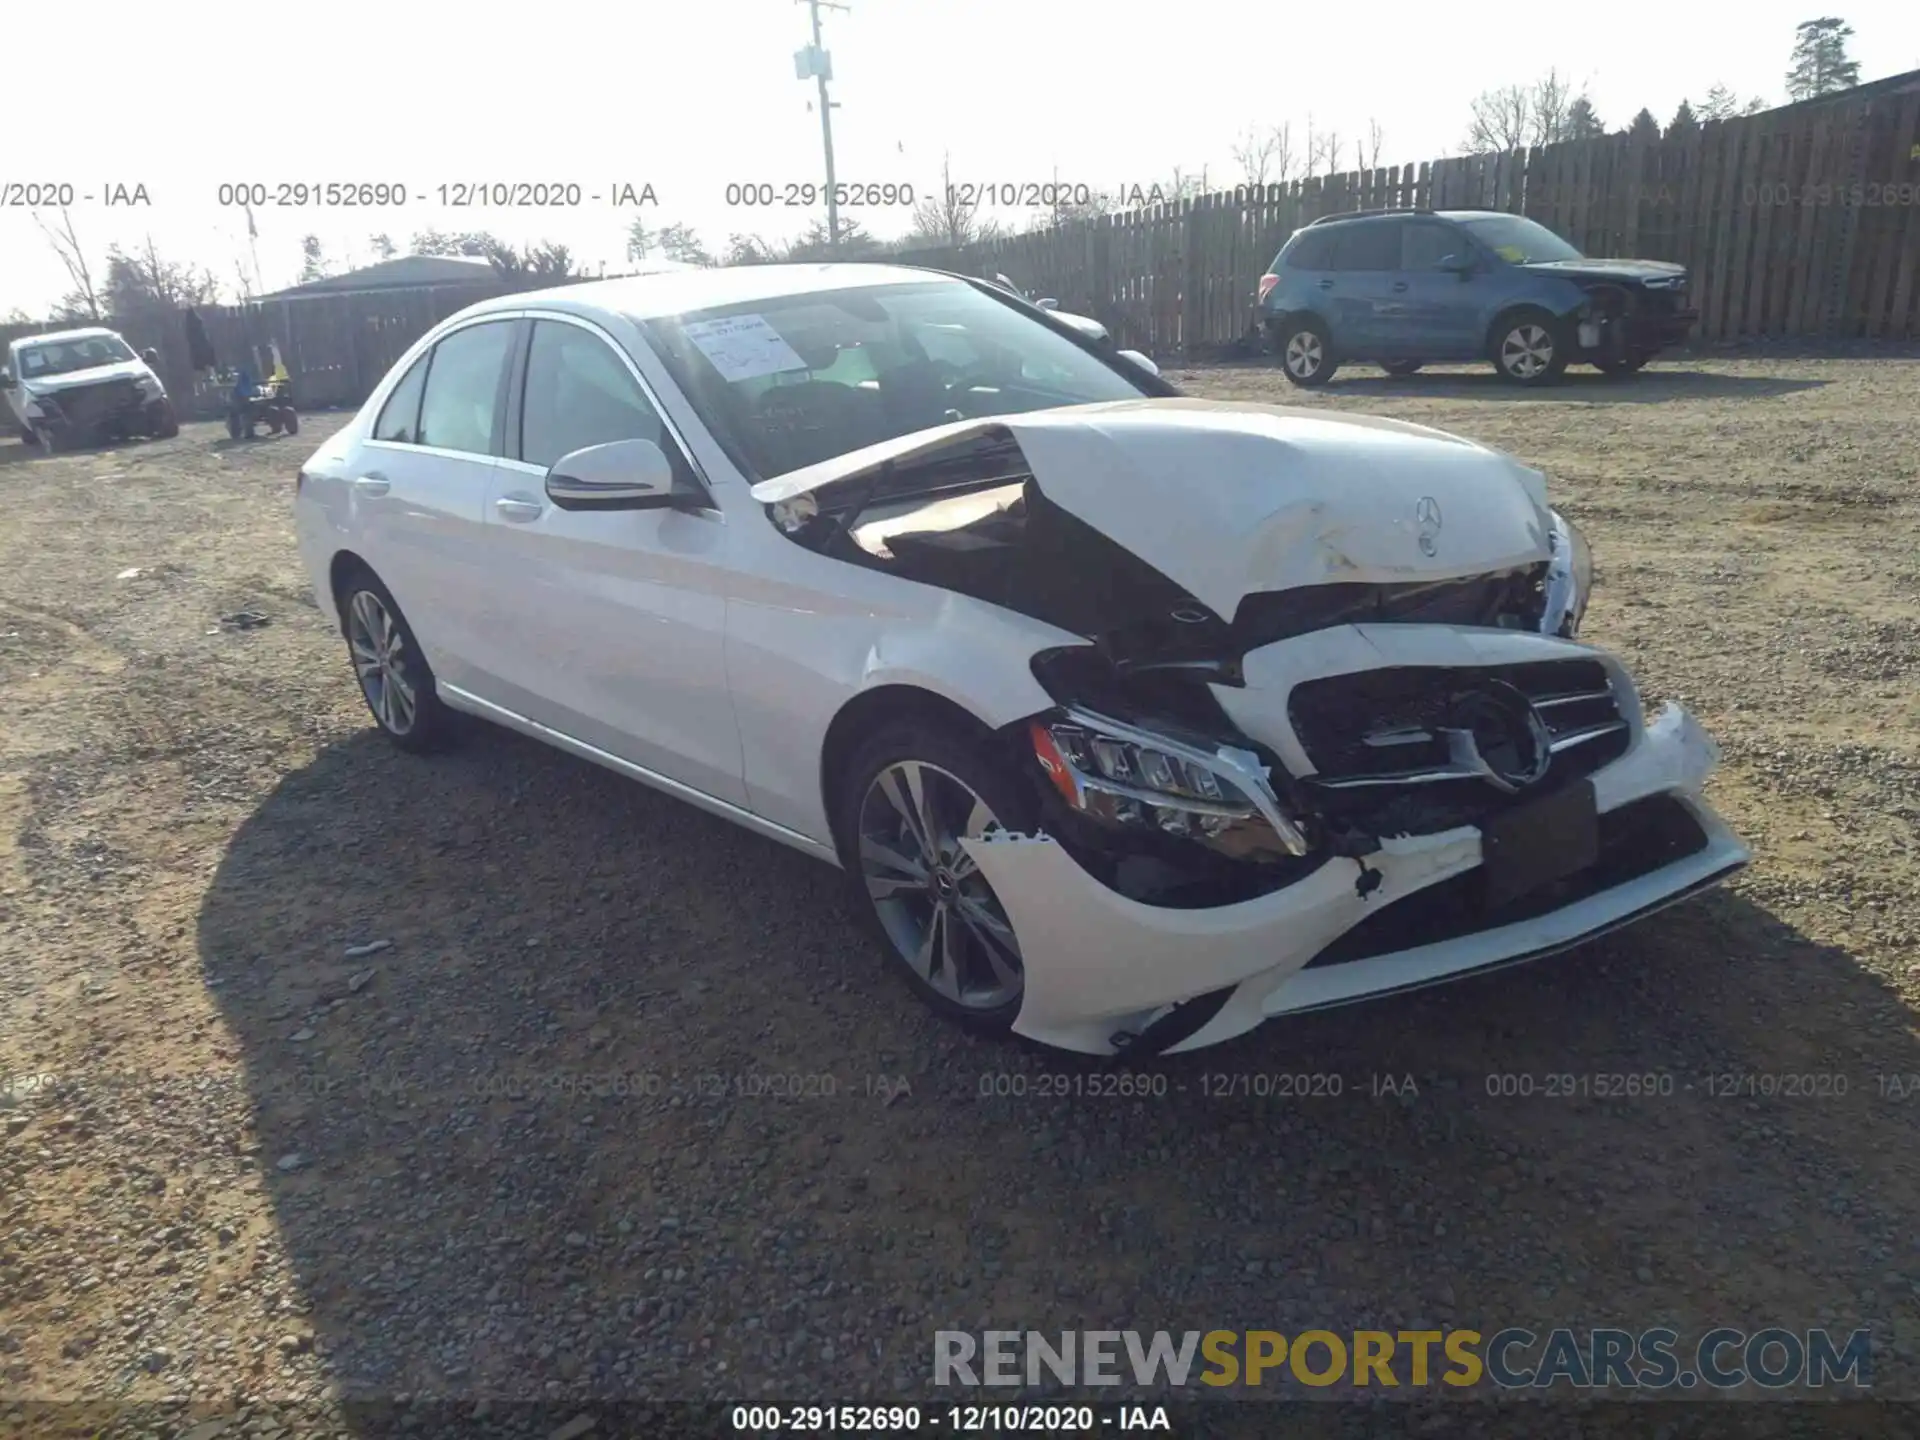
[[609, 625], [1366, 262], [418, 490]]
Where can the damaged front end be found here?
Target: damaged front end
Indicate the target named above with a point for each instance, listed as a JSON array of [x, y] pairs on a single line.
[[1232, 779]]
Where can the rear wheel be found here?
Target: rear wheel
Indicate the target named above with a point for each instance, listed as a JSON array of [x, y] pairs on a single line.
[[290, 421], [1306, 352], [912, 791], [395, 680], [235, 427], [1529, 347], [1397, 368]]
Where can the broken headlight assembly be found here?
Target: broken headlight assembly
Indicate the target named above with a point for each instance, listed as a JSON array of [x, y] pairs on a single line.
[[1569, 579], [1134, 779]]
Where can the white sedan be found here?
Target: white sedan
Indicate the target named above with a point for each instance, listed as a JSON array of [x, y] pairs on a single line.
[[1133, 719]]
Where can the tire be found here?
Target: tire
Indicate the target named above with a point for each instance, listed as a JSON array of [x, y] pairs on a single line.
[[166, 424], [1306, 352], [1530, 347], [975, 977], [49, 441], [290, 422], [1399, 368], [1624, 365], [408, 713], [234, 428]]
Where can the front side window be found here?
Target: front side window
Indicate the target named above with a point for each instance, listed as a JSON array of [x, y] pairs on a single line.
[[792, 380], [1309, 252], [1373, 246], [463, 388], [579, 393], [400, 416], [1425, 243]]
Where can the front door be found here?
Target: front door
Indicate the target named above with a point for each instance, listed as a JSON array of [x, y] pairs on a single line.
[[608, 625], [1440, 307]]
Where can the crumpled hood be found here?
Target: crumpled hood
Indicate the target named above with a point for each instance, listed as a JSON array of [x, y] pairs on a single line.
[[53, 384], [1592, 269], [1230, 499]]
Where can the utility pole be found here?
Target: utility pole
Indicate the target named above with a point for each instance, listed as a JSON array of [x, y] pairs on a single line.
[[815, 64]]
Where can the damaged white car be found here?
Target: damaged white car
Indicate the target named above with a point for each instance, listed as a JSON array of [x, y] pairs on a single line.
[[1133, 719]]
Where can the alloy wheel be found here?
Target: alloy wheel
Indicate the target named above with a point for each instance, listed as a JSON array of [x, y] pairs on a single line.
[[379, 658], [936, 907], [1526, 352], [1305, 354]]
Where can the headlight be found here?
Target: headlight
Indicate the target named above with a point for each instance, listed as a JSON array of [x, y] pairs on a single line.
[[1132, 778], [1569, 579]]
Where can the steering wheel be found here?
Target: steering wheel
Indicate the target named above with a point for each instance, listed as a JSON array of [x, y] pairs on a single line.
[[813, 420]]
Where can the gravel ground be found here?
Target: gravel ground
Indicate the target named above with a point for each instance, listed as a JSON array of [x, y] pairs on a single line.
[[328, 1073]]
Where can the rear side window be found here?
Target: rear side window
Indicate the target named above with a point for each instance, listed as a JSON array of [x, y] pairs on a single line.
[[463, 388], [1309, 250], [1368, 247], [400, 416]]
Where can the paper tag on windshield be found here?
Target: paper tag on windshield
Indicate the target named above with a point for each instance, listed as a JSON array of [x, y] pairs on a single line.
[[741, 347]]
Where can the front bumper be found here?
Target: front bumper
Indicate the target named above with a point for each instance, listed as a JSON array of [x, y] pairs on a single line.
[[1099, 965]]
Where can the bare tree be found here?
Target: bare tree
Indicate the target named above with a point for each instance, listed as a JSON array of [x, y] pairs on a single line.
[[1550, 102], [1266, 157], [1323, 150], [66, 244], [950, 216], [1501, 119], [1369, 149]]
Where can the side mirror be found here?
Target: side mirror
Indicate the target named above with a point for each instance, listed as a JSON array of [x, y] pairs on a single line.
[[620, 475], [1048, 304], [6, 378], [151, 357], [1138, 359]]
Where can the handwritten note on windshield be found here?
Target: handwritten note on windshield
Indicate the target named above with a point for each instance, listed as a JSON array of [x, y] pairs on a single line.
[[743, 346]]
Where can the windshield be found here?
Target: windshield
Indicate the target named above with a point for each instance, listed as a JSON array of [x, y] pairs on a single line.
[[788, 382], [66, 356], [1520, 241]]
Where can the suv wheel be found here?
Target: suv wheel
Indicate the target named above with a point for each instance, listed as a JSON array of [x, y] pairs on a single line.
[[1306, 352], [912, 792], [1529, 347]]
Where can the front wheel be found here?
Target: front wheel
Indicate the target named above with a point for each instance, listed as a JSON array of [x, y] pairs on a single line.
[[162, 420], [395, 679], [235, 427], [1530, 348], [1306, 353], [290, 422], [913, 791]]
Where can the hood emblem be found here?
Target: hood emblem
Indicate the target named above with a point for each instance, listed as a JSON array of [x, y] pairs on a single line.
[[1426, 514]]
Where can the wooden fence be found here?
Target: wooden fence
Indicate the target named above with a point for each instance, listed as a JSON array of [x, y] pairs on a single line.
[[1802, 222]]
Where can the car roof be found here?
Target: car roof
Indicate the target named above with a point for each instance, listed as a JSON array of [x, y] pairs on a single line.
[[648, 297], [56, 337]]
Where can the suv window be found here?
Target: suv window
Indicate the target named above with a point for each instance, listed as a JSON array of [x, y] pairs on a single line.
[[400, 416], [1372, 245], [1311, 250], [1425, 243], [463, 388], [580, 393]]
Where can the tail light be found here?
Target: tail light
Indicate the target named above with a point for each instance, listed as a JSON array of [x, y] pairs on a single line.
[[1267, 282]]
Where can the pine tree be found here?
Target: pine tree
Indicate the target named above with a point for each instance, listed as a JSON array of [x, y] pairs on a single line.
[[1644, 126], [1684, 122], [1819, 63], [1582, 122]]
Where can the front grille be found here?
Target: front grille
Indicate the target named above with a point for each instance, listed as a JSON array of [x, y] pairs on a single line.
[[1382, 762], [1637, 839], [90, 404]]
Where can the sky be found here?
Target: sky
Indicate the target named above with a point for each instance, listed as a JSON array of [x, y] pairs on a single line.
[[689, 98]]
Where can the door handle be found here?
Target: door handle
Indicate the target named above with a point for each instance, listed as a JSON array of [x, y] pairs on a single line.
[[372, 483], [1399, 286], [1326, 284], [518, 508]]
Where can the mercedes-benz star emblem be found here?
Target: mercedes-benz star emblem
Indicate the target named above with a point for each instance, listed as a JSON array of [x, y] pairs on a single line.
[[1506, 735], [1426, 513]]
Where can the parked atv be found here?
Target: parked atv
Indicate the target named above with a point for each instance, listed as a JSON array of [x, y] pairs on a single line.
[[253, 404]]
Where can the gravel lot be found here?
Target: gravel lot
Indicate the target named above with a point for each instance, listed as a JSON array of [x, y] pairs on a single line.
[[264, 1167]]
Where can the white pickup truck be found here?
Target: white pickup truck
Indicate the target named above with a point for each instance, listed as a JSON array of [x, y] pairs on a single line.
[[76, 387]]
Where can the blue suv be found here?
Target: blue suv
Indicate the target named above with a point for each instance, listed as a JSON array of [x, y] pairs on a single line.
[[1404, 287]]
